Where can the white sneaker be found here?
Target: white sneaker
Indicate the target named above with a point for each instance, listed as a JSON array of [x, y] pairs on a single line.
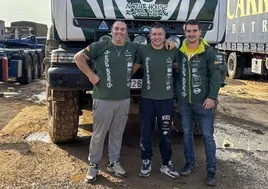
[[117, 169], [92, 173], [169, 170]]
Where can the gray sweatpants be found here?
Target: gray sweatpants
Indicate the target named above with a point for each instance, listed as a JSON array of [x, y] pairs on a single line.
[[108, 115]]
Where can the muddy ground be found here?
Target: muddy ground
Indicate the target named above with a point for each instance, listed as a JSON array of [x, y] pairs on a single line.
[[28, 159]]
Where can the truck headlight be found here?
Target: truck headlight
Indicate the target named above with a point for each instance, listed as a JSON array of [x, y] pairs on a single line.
[[140, 39], [176, 40], [62, 57], [105, 38]]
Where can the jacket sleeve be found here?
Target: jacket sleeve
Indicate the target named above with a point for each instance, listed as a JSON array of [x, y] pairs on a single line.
[[214, 76]]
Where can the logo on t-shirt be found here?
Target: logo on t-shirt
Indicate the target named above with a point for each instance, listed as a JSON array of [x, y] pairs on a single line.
[[107, 52]]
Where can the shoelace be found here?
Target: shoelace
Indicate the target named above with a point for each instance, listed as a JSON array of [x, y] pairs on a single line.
[[146, 162]]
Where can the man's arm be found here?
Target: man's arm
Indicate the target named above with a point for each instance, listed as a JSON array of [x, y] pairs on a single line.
[[81, 61], [138, 60], [135, 68], [169, 44], [214, 80]]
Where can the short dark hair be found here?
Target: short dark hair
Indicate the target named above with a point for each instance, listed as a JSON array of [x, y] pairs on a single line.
[[192, 22], [122, 21], [157, 25]]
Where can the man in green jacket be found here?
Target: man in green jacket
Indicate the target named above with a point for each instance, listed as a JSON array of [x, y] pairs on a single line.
[[198, 83]]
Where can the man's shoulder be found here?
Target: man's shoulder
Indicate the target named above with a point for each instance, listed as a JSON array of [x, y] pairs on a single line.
[[100, 43], [133, 45], [209, 49]]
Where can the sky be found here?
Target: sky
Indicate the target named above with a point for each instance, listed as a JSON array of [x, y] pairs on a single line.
[[25, 10]]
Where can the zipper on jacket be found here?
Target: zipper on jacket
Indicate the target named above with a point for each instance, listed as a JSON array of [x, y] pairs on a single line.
[[189, 82]]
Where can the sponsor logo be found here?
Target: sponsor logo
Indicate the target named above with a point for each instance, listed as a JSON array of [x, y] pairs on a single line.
[[195, 70], [196, 80], [166, 117], [129, 59], [108, 71], [107, 52], [109, 85], [168, 88], [197, 91], [148, 81], [184, 94]]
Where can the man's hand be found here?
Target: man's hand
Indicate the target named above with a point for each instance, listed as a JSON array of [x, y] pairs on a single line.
[[94, 79], [169, 44], [209, 103]]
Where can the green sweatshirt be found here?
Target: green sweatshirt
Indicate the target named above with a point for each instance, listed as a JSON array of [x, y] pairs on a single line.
[[199, 77]]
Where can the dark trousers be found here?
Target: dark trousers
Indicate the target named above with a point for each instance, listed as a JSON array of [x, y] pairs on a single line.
[[162, 110]]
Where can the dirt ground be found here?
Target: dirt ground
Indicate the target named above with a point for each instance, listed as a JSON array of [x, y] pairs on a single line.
[[28, 161]]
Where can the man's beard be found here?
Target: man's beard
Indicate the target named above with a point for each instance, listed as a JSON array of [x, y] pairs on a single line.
[[192, 41]]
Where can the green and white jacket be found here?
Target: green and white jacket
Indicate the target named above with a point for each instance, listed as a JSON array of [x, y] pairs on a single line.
[[199, 77]]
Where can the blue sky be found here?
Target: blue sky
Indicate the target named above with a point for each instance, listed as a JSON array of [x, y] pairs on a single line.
[[25, 10]]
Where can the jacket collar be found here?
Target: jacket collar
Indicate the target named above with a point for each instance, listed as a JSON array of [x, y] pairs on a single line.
[[200, 49]]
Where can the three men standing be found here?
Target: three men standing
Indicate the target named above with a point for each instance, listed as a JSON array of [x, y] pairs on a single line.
[[198, 83]]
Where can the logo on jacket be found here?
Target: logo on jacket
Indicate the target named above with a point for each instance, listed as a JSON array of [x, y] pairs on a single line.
[[183, 94], [197, 91]]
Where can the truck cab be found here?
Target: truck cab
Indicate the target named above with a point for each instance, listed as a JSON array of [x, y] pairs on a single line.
[[76, 24]]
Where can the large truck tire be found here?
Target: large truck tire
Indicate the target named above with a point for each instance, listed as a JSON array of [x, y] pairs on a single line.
[[27, 73], [35, 66], [63, 115], [41, 64], [234, 71]]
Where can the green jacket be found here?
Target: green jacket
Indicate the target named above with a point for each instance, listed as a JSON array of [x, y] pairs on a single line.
[[199, 77]]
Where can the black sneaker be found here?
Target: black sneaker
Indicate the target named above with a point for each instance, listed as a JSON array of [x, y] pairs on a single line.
[[92, 173], [211, 178], [187, 169], [146, 168]]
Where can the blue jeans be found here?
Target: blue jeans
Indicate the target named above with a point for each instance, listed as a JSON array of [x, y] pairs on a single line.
[[187, 113]]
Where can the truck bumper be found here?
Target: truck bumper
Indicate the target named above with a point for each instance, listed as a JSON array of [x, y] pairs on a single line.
[[67, 79]]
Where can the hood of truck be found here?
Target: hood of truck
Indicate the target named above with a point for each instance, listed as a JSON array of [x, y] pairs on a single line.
[[72, 18]]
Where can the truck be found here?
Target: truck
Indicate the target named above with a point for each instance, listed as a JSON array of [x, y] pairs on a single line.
[[38, 29], [76, 24], [246, 38], [2, 28], [24, 57]]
